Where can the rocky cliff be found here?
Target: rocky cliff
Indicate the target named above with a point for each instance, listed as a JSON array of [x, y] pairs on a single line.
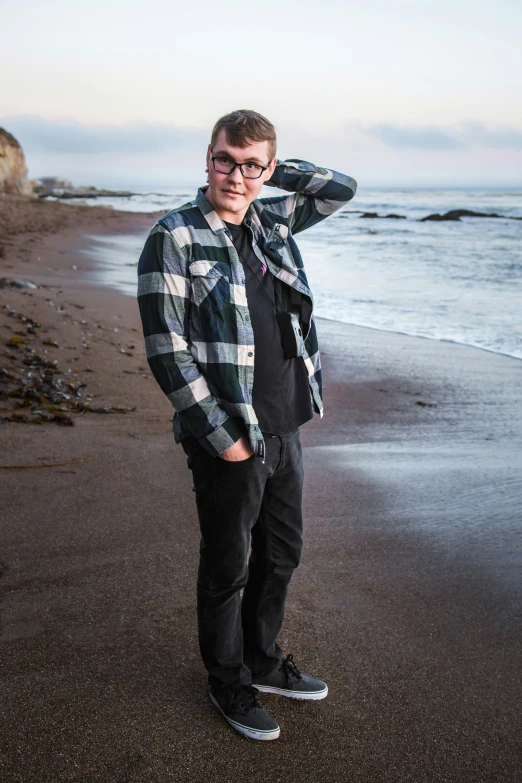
[[13, 171]]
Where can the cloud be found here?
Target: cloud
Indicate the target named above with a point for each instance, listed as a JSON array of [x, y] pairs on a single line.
[[426, 137], [38, 135], [432, 137], [503, 138]]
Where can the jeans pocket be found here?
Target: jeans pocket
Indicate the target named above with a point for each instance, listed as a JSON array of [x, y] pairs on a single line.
[[237, 463]]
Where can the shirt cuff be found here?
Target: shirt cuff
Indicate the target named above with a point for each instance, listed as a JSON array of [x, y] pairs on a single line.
[[223, 437]]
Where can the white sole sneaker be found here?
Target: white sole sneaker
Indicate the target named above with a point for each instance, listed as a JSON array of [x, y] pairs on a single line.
[[256, 734], [302, 695]]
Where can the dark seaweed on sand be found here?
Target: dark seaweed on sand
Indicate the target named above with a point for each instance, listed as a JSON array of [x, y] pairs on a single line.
[[41, 393]]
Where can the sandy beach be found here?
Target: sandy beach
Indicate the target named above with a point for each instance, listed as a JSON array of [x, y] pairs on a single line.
[[408, 601]]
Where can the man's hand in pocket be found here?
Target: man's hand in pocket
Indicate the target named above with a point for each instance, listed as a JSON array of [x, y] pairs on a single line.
[[240, 451]]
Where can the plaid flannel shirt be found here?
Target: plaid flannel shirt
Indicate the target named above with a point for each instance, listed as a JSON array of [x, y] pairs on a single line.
[[199, 339]]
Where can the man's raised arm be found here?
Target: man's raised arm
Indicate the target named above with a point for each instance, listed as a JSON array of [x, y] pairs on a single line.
[[163, 298], [316, 192]]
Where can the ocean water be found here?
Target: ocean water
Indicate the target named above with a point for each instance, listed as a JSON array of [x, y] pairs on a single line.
[[456, 281]]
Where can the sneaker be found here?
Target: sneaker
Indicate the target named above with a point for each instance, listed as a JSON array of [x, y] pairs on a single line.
[[287, 680], [242, 708]]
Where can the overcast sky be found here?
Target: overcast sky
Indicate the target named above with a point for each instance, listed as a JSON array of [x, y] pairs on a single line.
[[126, 93]]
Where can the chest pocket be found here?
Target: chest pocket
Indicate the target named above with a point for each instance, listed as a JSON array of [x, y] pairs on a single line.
[[210, 288]]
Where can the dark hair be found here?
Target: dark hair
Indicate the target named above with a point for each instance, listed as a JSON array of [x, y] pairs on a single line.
[[242, 127]]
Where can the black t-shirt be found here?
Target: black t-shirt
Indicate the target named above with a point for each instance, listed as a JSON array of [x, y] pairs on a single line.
[[281, 394]]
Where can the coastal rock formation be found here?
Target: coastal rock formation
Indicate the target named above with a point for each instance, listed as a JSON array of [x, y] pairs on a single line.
[[44, 184], [13, 171], [376, 215], [89, 191], [58, 187], [456, 214]]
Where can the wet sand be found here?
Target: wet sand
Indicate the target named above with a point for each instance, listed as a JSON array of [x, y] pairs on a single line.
[[407, 602]]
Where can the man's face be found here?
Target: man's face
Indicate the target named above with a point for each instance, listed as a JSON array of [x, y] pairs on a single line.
[[231, 194]]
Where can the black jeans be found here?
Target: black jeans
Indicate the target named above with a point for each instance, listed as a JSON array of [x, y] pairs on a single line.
[[241, 505]]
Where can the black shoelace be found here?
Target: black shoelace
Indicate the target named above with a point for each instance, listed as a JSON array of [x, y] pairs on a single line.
[[289, 669], [244, 698]]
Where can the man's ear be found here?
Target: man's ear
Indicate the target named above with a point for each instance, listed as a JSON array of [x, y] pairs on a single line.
[[270, 170], [209, 149]]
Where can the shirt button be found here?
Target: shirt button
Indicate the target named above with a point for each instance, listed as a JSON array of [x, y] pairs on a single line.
[[247, 318], [250, 353]]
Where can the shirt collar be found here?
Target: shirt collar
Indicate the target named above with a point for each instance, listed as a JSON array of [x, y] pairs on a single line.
[[212, 217]]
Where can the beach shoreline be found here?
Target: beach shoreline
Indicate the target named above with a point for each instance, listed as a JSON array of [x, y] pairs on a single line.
[[407, 600]]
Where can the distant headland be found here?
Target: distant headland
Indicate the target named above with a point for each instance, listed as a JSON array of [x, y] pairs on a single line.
[[14, 177]]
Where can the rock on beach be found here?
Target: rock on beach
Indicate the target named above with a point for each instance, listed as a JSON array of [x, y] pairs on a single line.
[[13, 169]]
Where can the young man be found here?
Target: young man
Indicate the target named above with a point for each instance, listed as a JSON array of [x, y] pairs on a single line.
[[227, 318]]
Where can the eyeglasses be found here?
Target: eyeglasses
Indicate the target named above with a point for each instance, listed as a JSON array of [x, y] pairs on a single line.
[[226, 166]]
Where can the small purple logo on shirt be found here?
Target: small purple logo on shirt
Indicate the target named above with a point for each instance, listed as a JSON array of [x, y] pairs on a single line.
[[263, 269]]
